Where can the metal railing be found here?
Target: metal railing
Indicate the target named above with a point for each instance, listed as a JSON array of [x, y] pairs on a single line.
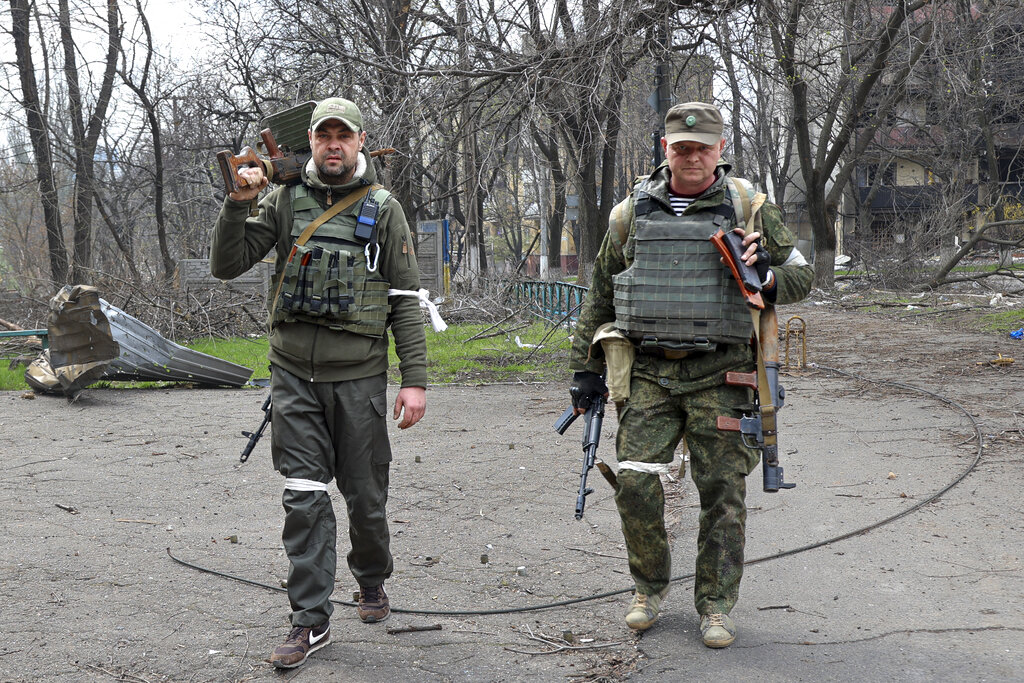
[[556, 302], [42, 334]]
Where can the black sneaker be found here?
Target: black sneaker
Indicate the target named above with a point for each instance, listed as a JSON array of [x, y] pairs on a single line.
[[302, 641], [373, 604]]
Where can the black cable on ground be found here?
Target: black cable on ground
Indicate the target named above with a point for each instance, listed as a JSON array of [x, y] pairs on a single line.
[[785, 553]]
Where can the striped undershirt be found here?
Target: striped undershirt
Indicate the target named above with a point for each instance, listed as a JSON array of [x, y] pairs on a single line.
[[679, 202]]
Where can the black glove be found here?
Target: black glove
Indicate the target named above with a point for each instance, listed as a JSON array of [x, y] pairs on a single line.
[[763, 263], [585, 387]]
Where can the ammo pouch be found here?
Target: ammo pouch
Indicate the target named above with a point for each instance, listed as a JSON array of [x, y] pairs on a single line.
[[318, 282], [618, 353], [327, 279]]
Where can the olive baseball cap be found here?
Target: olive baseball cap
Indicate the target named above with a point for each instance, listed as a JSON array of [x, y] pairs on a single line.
[[339, 109], [693, 121]]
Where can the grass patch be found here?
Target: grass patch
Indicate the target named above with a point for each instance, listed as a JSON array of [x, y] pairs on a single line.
[[12, 379], [1003, 322], [453, 356], [250, 352]]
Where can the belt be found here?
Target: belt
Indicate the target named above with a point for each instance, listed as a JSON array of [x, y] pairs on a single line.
[[659, 352], [650, 346]]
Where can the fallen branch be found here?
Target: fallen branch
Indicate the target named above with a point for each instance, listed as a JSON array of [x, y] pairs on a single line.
[[558, 644], [510, 315], [137, 521], [500, 332], [413, 629]]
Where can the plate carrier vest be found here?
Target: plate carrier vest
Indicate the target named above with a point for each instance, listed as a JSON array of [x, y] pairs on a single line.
[[676, 293], [328, 281]]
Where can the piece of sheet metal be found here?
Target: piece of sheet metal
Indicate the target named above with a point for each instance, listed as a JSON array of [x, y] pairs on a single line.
[[81, 344], [146, 355], [91, 340]]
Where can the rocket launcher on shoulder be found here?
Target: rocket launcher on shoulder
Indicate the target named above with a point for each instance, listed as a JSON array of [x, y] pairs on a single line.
[[280, 166]]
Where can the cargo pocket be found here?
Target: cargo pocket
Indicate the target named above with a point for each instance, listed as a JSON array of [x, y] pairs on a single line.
[[379, 429]]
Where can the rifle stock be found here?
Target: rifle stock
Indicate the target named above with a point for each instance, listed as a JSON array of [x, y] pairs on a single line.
[[760, 430]]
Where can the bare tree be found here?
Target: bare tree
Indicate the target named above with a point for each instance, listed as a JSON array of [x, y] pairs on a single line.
[[86, 128], [140, 84], [831, 79], [38, 131]]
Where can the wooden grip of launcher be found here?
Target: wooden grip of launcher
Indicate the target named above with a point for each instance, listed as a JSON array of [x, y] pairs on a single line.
[[230, 163], [274, 168]]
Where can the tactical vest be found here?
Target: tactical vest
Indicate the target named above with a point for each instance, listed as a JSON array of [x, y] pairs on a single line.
[[328, 281], [676, 293]]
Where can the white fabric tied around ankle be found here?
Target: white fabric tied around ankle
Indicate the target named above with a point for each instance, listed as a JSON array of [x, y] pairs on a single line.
[[293, 484], [646, 467], [423, 295]]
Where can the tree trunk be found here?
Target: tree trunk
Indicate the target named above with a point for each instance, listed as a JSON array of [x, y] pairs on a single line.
[[40, 143], [549, 150], [591, 229], [823, 226], [736, 110], [85, 138]]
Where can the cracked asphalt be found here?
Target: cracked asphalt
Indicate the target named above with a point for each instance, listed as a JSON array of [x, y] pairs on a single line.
[[95, 493]]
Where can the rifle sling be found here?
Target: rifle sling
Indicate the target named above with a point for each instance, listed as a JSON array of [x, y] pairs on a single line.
[[345, 202], [764, 394]]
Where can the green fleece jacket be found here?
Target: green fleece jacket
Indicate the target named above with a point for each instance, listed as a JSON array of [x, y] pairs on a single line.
[[316, 352]]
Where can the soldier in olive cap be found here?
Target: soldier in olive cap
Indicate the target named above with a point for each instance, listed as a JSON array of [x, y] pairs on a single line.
[[659, 281], [345, 272]]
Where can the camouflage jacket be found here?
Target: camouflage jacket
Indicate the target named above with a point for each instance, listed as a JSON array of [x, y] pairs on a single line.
[[793, 281]]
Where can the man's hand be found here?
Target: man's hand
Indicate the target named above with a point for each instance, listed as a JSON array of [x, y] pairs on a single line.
[[757, 256], [414, 401], [585, 387], [255, 180]]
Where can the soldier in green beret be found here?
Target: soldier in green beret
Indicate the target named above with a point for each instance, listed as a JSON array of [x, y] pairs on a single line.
[[659, 281], [345, 273]]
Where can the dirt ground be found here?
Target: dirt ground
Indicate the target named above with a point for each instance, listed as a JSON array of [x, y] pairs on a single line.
[[98, 494]]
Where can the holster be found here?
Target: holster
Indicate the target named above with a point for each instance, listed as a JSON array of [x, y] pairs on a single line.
[[619, 353]]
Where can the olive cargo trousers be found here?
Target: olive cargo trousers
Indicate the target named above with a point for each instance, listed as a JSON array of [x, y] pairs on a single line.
[[324, 431]]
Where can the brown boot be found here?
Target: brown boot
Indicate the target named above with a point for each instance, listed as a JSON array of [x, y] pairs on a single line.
[[373, 604]]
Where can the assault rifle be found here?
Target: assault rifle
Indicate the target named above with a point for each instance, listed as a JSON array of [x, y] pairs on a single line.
[[758, 430], [254, 437], [592, 420]]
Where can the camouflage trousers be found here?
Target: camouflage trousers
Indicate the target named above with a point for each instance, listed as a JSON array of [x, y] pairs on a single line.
[[652, 422]]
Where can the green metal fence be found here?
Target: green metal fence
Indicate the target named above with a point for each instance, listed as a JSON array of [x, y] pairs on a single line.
[[557, 302], [42, 334]]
